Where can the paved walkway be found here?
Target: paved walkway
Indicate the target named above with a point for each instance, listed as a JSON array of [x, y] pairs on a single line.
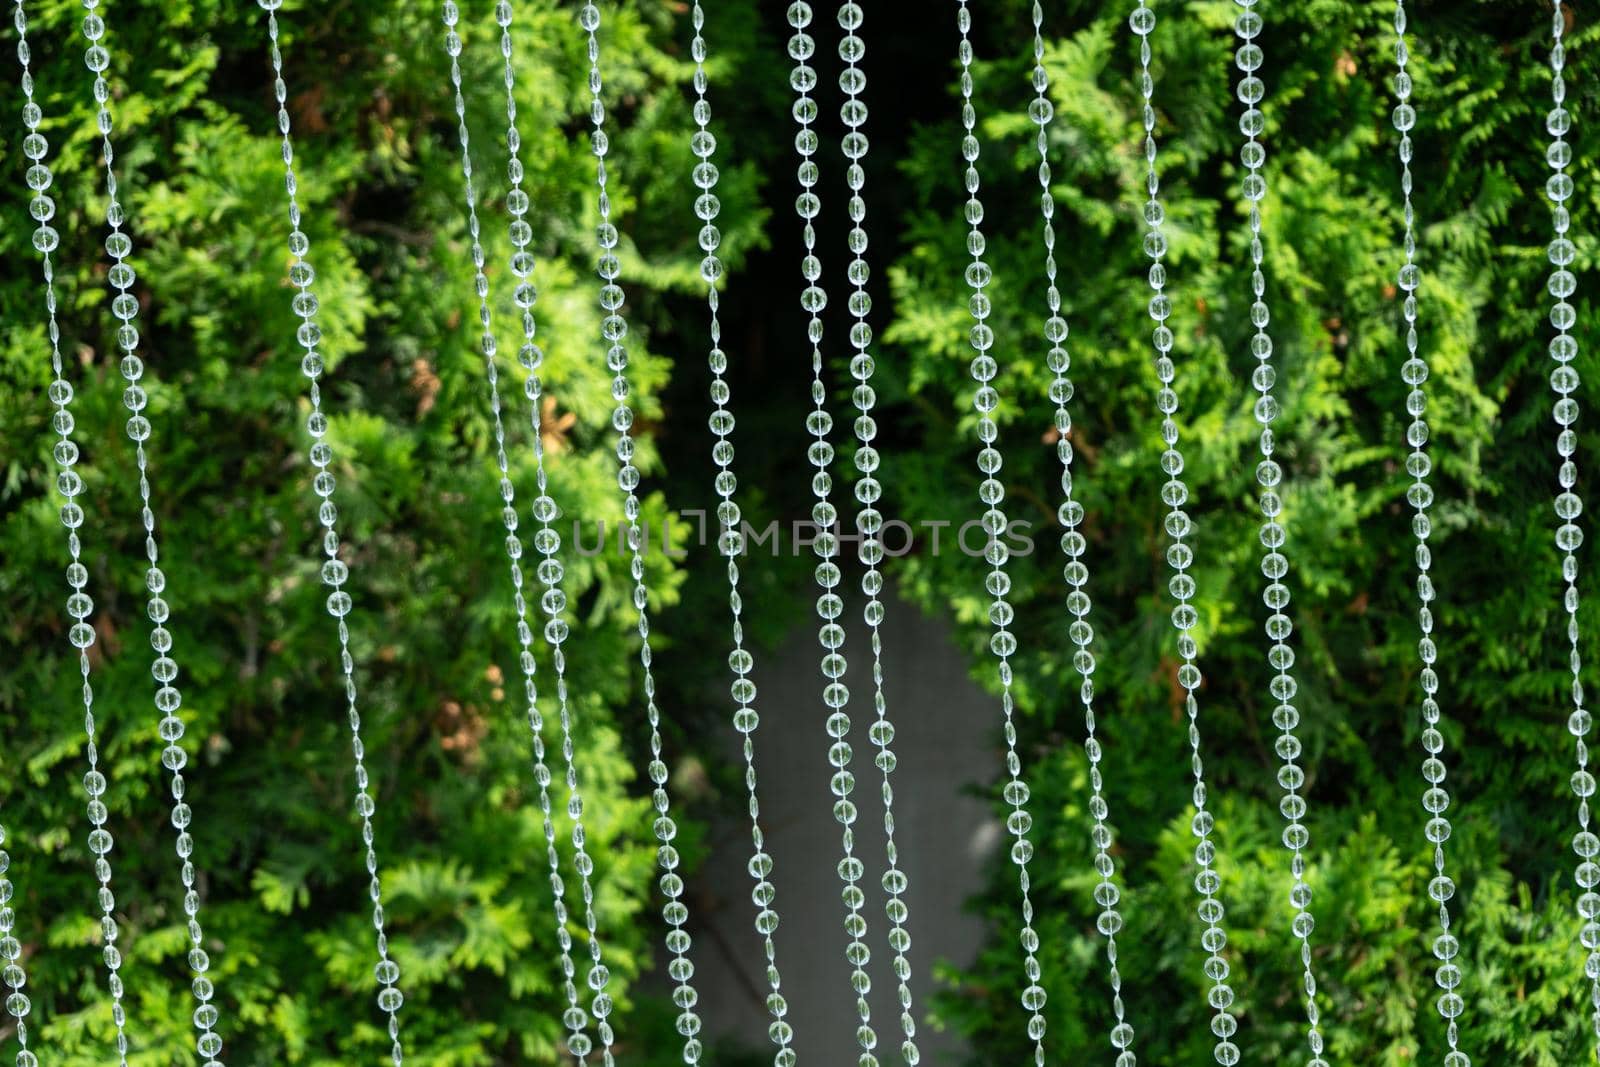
[[947, 739]]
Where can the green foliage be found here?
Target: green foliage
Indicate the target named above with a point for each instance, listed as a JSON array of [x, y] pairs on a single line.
[[1332, 236], [459, 830]]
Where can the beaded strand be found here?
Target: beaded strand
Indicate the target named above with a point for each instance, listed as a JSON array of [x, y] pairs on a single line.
[[824, 515], [814, 298], [334, 571], [1073, 546], [721, 422], [729, 542], [164, 667], [1564, 382], [16, 978], [830, 605], [1175, 493], [674, 912], [1414, 372], [1002, 643], [79, 605], [707, 206], [574, 1016], [869, 519], [1274, 536]]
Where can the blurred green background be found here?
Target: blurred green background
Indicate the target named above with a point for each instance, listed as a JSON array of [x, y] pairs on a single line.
[[458, 832]]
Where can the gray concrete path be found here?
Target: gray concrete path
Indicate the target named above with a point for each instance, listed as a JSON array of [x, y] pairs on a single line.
[[947, 741]]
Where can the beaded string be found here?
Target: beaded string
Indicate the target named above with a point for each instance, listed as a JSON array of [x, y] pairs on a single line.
[[544, 508], [1175, 493], [1073, 546], [853, 113], [164, 666], [16, 978], [1414, 372], [1274, 536], [730, 542], [680, 968], [869, 524], [1002, 643], [1568, 506], [79, 605], [830, 606], [334, 571]]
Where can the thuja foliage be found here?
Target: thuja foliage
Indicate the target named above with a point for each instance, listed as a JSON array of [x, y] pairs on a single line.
[[433, 630], [458, 827], [1332, 232]]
